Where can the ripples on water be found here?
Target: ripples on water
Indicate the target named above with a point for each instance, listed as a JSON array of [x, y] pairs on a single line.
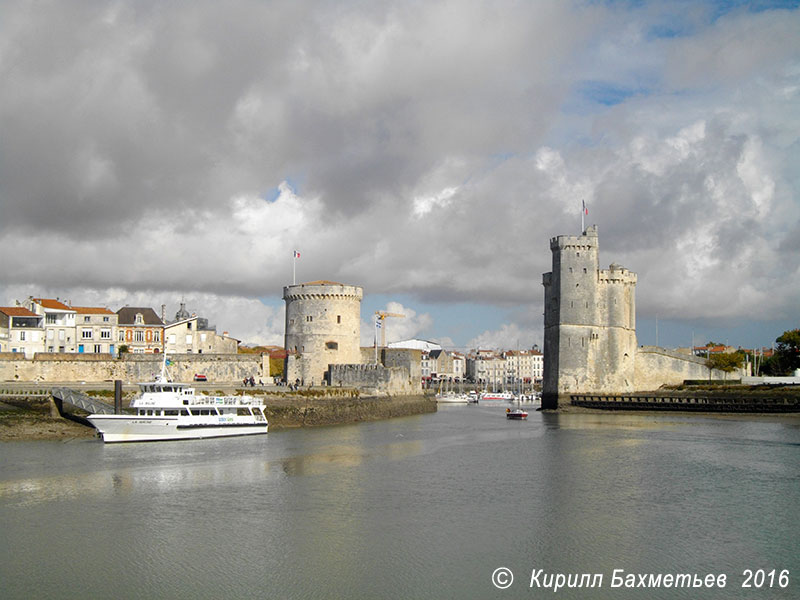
[[421, 507]]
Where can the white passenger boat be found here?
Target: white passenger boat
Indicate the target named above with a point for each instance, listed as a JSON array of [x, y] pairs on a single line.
[[173, 411]]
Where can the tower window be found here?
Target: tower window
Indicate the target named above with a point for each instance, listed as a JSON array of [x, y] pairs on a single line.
[[331, 345], [338, 318]]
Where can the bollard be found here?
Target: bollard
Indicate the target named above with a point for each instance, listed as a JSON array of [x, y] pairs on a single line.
[[117, 397]]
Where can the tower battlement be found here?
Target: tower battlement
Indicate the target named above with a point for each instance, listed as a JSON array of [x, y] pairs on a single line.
[[616, 274], [588, 239]]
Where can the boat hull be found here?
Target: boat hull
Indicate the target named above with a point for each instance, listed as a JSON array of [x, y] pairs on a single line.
[[125, 428]]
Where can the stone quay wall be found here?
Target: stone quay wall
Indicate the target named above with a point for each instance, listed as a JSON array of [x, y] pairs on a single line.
[[374, 380], [656, 366], [131, 368]]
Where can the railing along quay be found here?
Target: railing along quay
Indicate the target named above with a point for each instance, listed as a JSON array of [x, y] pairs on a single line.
[[17, 393], [699, 403]]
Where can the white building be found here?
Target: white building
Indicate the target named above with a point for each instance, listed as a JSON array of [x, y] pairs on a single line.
[[59, 323], [524, 366], [21, 330], [194, 336], [415, 345]]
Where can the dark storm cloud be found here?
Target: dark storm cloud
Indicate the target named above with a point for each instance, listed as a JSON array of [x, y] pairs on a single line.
[[427, 148]]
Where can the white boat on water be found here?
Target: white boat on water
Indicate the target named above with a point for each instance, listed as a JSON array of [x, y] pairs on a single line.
[[497, 396], [173, 411], [452, 398]]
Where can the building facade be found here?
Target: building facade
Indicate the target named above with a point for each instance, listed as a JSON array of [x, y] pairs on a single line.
[[193, 335], [21, 330], [140, 329], [96, 330], [59, 323], [323, 327], [524, 366]]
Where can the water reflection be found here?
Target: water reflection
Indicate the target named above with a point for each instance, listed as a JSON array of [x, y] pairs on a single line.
[[410, 508]]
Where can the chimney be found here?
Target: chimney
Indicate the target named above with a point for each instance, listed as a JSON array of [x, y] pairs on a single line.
[[163, 313]]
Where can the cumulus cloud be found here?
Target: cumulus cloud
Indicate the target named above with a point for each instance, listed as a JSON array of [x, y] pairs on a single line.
[[405, 327], [427, 150], [510, 336]]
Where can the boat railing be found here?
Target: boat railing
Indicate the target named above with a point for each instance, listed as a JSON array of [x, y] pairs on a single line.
[[226, 400]]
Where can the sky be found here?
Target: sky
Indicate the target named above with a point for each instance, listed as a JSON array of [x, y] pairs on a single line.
[[159, 152]]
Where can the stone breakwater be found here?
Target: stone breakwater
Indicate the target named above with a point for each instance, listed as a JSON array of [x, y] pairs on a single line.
[[36, 417], [283, 413], [720, 399]]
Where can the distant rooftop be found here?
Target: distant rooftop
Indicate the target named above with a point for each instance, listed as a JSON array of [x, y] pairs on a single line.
[[51, 304], [17, 311]]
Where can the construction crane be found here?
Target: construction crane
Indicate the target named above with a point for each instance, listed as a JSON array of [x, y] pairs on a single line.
[[380, 316]]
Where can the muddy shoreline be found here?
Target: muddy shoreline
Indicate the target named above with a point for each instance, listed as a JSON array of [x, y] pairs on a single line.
[[37, 419]]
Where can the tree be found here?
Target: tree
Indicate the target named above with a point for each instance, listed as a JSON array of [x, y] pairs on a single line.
[[725, 361], [787, 355]]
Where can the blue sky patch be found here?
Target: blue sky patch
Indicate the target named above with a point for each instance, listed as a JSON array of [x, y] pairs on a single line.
[[606, 93]]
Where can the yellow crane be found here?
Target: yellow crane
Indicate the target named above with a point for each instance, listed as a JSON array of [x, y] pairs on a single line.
[[380, 316]]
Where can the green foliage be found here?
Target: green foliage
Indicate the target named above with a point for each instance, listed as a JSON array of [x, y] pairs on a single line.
[[725, 361], [787, 355], [276, 367], [123, 349]]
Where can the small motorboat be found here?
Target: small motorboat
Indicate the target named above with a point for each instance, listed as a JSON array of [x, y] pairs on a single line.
[[517, 414]]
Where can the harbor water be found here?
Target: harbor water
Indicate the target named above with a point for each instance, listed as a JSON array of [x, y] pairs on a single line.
[[461, 504]]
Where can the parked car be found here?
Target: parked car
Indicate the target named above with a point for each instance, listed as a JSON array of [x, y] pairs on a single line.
[[200, 377]]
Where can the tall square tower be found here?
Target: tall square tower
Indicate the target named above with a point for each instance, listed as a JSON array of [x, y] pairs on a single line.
[[589, 322]]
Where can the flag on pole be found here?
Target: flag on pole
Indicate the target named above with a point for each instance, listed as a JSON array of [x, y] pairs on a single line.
[[295, 256], [585, 210]]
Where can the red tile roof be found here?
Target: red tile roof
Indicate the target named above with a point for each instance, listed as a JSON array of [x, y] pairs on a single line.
[[91, 310], [50, 303], [17, 311]]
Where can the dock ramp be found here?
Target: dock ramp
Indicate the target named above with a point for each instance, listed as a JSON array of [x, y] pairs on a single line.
[[80, 400]]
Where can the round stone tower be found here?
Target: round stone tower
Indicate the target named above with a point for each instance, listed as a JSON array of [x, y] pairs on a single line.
[[323, 327]]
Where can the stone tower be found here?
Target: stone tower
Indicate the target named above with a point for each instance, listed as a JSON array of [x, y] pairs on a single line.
[[323, 327], [589, 322]]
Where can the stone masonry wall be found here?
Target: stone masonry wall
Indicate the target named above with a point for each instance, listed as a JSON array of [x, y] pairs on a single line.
[[656, 366], [323, 326], [133, 368], [373, 380]]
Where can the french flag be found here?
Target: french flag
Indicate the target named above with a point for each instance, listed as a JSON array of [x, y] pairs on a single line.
[[585, 210], [296, 254]]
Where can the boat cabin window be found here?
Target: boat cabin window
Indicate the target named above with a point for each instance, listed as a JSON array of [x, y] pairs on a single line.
[[150, 412], [243, 411], [184, 412], [171, 413]]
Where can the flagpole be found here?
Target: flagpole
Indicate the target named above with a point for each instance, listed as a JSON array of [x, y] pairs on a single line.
[[294, 263], [583, 212]]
